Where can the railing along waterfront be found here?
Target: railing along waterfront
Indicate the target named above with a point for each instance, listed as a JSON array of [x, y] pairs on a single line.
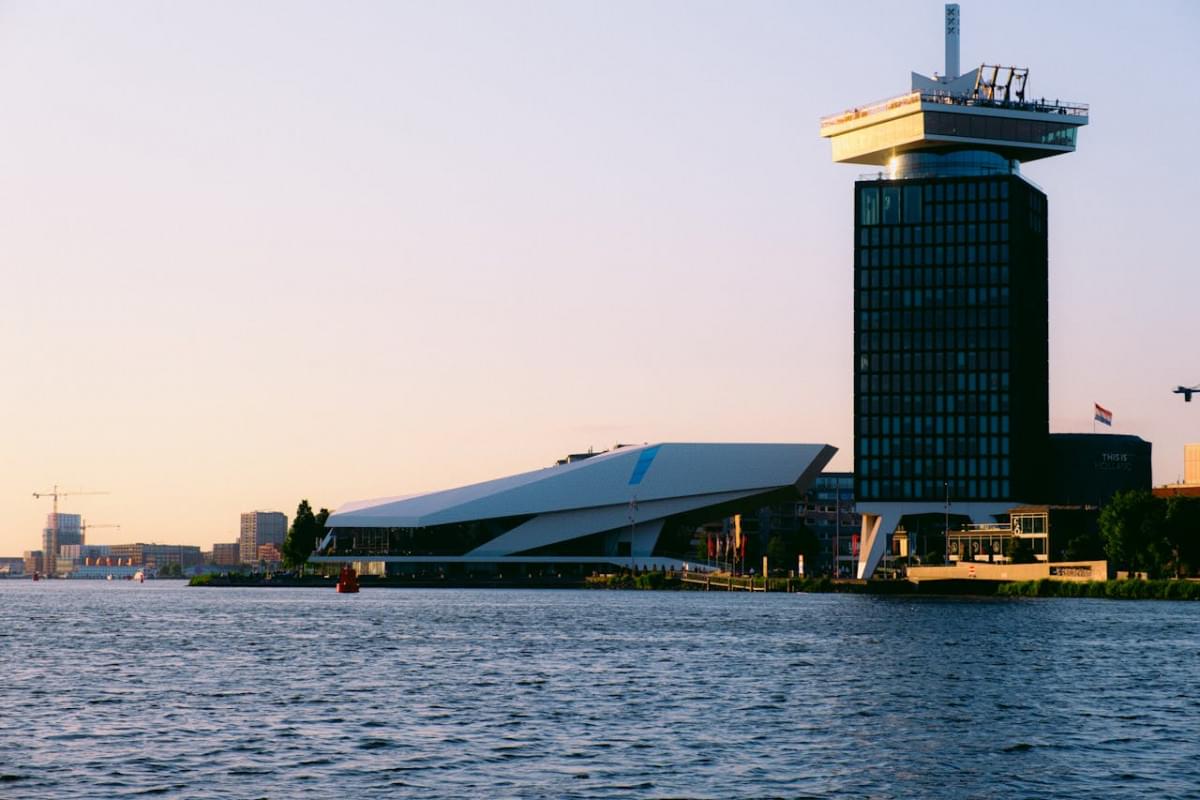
[[731, 583]]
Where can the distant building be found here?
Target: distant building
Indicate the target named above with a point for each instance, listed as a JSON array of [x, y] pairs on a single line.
[[259, 528], [829, 496], [269, 554], [1191, 464], [155, 555], [105, 570], [11, 566], [571, 458], [1191, 476], [74, 557], [828, 511], [80, 552], [61, 529], [1177, 490], [33, 562], [226, 554], [1089, 468], [1191, 485]]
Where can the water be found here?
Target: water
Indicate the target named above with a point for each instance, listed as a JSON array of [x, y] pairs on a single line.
[[120, 689]]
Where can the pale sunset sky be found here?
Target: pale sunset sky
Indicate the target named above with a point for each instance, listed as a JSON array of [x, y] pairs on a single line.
[[254, 252]]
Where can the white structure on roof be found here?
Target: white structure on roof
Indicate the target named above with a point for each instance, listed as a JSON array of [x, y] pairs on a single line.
[[609, 508]]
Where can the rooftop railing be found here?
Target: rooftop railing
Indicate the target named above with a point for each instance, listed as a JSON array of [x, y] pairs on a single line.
[[935, 172], [874, 108], [1039, 106]]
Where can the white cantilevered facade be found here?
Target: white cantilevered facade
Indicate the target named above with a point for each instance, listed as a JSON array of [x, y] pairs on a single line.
[[634, 506]]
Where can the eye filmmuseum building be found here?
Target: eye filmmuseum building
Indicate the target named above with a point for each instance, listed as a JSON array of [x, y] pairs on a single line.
[[634, 506], [951, 354]]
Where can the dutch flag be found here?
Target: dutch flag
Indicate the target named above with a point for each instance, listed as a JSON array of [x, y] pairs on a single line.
[[1103, 415]]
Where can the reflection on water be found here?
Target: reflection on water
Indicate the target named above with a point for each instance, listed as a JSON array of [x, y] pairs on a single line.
[[121, 690]]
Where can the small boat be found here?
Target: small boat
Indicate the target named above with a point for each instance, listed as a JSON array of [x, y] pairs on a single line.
[[347, 580], [139, 576]]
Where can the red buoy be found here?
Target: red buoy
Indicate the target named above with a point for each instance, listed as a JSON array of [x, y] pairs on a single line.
[[347, 580]]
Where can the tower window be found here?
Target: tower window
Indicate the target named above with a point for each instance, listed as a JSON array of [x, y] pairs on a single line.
[[868, 206]]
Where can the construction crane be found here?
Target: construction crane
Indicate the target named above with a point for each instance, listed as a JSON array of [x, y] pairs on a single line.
[[1186, 391], [52, 543], [84, 525], [55, 493]]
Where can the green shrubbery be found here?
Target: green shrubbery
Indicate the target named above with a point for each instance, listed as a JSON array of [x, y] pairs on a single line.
[[645, 580], [820, 584], [1116, 590]]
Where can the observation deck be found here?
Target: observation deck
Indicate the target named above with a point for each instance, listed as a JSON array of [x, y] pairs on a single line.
[[1017, 129]]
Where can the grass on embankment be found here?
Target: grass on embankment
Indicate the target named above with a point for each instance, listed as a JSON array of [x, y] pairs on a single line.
[[817, 585], [1114, 590]]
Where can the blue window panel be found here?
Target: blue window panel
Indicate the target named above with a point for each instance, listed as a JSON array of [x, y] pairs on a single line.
[[643, 464]]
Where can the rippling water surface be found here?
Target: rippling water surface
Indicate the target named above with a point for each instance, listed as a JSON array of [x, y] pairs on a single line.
[[119, 689]]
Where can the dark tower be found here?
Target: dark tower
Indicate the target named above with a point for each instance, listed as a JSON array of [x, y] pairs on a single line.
[[951, 380]]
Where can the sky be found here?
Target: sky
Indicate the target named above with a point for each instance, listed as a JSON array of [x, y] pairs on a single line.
[[258, 252]]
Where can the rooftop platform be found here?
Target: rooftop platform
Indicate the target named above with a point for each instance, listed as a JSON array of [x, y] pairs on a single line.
[[925, 120]]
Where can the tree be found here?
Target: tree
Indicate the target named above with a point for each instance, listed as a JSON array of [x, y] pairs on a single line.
[[304, 535], [1084, 546], [1133, 527], [782, 549], [1183, 532]]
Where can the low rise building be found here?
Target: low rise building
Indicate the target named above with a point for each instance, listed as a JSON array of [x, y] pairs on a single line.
[[104, 571], [156, 556], [1191, 476], [33, 562], [83, 551], [1037, 533], [1089, 468], [11, 566], [226, 554], [269, 555]]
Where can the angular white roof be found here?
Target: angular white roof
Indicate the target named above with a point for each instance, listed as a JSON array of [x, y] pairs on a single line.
[[645, 473]]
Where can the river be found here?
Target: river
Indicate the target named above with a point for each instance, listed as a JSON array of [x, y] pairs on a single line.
[[123, 690]]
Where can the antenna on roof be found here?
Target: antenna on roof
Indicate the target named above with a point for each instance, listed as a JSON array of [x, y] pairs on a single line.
[[952, 27]]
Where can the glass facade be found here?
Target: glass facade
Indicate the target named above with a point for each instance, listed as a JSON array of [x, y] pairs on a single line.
[[950, 341], [1004, 129]]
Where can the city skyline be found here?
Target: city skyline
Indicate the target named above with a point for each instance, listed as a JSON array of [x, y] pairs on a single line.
[[255, 257]]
